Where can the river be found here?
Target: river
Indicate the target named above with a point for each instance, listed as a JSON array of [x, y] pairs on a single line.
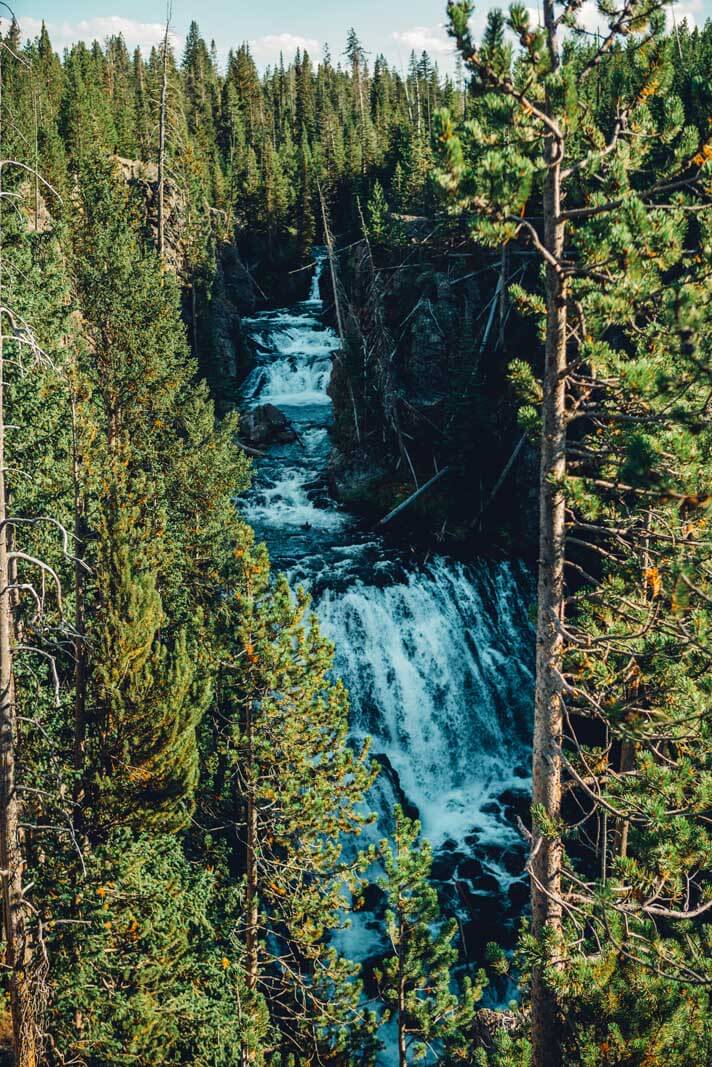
[[437, 655]]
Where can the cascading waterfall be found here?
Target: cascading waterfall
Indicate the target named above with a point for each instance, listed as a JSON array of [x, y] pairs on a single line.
[[437, 657], [436, 665]]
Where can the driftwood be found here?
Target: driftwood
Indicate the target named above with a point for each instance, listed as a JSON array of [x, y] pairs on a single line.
[[413, 496], [249, 449]]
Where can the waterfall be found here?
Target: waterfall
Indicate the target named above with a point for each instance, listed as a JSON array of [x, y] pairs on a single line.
[[294, 361], [439, 671], [437, 657]]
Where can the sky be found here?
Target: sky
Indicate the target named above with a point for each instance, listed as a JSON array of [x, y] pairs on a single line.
[[393, 27]]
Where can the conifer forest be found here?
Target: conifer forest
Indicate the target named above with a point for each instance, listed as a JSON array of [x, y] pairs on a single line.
[[355, 545]]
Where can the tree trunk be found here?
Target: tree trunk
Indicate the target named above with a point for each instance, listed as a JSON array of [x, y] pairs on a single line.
[[402, 1043], [251, 904], [162, 144], [17, 947], [620, 837], [332, 267], [546, 764]]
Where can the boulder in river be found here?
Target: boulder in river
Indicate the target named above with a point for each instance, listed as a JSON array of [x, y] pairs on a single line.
[[266, 425]]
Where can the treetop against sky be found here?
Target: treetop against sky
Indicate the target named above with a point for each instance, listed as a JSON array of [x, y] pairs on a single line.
[[394, 28]]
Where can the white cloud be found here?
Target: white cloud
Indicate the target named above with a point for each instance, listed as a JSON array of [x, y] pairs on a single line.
[[136, 34], [591, 19], [692, 10], [268, 49], [431, 39]]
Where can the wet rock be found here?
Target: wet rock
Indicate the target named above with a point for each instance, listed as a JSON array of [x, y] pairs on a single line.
[[470, 869], [516, 805], [449, 899], [491, 808], [389, 772], [486, 885], [487, 920], [445, 863], [266, 425], [513, 861], [518, 895]]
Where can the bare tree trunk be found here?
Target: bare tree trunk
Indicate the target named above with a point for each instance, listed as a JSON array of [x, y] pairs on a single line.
[[251, 903], [17, 947], [162, 140], [402, 1042], [546, 765], [80, 651], [37, 160], [332, 266]]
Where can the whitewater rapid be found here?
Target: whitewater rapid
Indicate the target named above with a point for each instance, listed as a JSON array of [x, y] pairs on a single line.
[[437, 655]]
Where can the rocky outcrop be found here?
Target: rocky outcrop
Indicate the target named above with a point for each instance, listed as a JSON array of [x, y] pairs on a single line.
[[266, 425], [423, 385], [143, 178]]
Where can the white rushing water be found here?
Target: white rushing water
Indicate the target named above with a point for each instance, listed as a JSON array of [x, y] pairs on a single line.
[[437, 656], [436, 665]]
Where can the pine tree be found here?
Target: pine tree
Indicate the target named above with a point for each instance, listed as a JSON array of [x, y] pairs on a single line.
[[119, 87], [306, 217], [377, 214], [292, 788], [415, 981], [155, 932], [619, 291], [147, 699], [145, 695]]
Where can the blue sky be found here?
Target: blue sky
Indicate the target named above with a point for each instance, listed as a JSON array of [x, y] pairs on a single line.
[[393, 27]]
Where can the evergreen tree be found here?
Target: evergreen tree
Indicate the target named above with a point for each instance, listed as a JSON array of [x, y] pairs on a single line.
[[150, 976], [625, 306], [291, 788], [377, 214], [176, 711], [306, 217], [433, 1022]]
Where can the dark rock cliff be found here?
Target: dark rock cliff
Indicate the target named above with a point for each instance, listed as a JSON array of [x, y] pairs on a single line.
[[422, 384]]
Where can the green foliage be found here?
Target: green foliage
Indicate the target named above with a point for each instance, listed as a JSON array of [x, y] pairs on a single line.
[[149, 698], [299, 789], [193, 765], [415, 981], [377, 214], [148, 974], [620, 225]]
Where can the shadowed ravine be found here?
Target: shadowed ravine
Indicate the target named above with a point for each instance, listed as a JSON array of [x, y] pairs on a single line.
[[437, 656]]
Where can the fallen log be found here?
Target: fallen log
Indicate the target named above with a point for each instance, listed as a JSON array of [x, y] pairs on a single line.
[[413, 496], [249, 449]]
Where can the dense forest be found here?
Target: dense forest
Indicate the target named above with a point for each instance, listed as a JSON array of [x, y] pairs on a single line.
[[518, 274]]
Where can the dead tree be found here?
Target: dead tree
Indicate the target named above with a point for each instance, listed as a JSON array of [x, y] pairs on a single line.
[[162, 119], [23, 579]]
